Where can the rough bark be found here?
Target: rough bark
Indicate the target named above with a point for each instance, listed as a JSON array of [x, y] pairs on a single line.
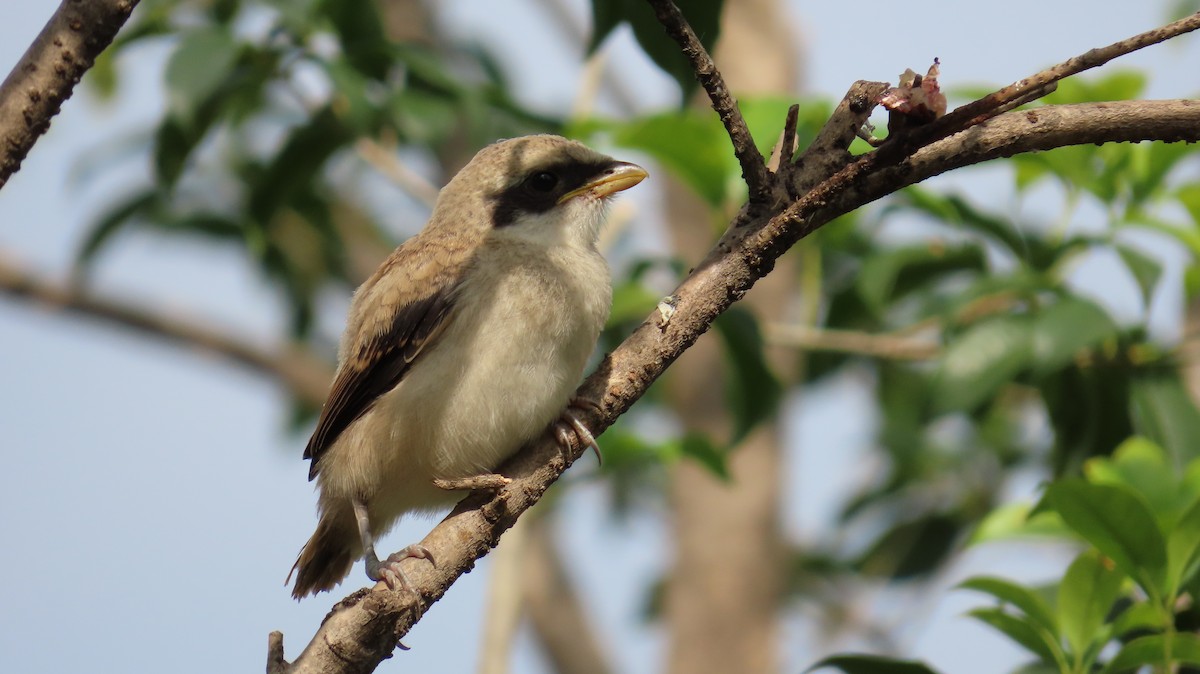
[[46, 75]]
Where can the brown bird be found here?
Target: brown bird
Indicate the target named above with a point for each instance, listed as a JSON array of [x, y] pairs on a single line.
[[465, 344]]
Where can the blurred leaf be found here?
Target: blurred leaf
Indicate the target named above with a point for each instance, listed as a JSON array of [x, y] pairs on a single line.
[[887, 275], [1152, 163], [1154, 650], [690, 143], [702, 15], [359, 27], [352, 101], [1183, 549], [197, 68], [1089, 411], [765, 116], [1085, 597], [1189, 196], [753, 392], [1019, 596], [872, 664], [955, 210], [297, 164], [1145, 270], [1142, 465], [101, 232], [981, 360], [1163, 411], [1061, 330], [102, 76], [1023, 631], [1140, 617], [1114, 85], [1015, 520], [1181, 8], [632, 303], [911, 548], [698, 447], [1117, 521]]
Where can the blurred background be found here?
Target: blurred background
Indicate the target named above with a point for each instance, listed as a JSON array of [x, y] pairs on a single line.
[[856, 438]]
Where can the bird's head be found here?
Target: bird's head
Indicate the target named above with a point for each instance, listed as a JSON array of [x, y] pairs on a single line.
[[543, 189]]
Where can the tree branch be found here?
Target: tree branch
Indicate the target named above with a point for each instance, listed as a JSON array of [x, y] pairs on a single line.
[[305, 375], [754, 168], [365, 627], [46, 75]]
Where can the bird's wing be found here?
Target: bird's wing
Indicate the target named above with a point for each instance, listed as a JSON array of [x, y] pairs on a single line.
[[398, 321]]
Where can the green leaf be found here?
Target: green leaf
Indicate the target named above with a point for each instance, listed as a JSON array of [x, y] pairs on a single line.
[[912, 548], [984, 358], [889, 274], [872, 664], [1115, 85], [1146, 270], [1142, 465], [197, 69], [691, 143], [1014, 520], [1089, 411], [699, 447], [112, 221], [1156, 649], [359, 27], [1189, 196], [1085, 596], [1140, 617], [1183, 549], [955, 210], [1019, 596], [1163, 411], [1118, 522], [1023, 631], [1065, 328], [702, 15], [632, 302], [753, 392]]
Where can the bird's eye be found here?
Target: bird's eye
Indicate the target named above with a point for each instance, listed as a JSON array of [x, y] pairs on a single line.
[[542, 181]]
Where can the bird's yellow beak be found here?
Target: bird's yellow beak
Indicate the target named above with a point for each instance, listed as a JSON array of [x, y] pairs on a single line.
[[620, 176]]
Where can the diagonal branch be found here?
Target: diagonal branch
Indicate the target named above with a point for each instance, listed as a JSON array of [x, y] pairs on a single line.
[[305, 375], [364, 628], [46, 75], [754, 168]]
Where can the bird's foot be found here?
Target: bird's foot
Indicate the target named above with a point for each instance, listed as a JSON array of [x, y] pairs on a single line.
[[569, 424], [485, 482], [389, 570]]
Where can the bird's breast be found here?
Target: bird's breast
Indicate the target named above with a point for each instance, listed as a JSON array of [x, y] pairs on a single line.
[[519, 339]]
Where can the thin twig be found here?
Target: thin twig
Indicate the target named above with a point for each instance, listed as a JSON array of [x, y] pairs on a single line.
[[384, 160], [46, 75], [304, 375], [754, 168], [890, 347], [1029, 88]]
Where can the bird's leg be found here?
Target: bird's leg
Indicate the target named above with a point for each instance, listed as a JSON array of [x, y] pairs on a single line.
[[389, 570], [568, 423], [485, 482]]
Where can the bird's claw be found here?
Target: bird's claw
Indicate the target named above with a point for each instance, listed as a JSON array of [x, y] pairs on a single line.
[[389, 570], [569, 424]]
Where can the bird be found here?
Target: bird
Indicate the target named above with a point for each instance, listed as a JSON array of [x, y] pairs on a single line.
[[466, 343]]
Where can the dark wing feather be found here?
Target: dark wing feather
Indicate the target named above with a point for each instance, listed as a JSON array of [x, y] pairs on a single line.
[[377, 364]]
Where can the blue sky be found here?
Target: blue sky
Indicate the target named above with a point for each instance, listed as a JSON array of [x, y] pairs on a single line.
[[152, 500]]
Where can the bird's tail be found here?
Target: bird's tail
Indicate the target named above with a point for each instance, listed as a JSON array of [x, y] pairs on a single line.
[[327, 556]]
